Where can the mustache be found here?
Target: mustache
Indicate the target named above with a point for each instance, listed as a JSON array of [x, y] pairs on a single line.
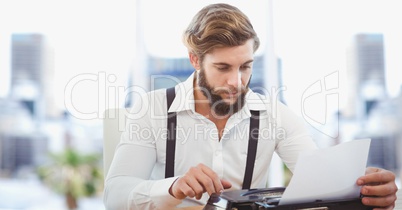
[[243, 89], [220, 90]]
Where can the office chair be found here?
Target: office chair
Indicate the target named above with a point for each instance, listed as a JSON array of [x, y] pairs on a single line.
[[113, 125]]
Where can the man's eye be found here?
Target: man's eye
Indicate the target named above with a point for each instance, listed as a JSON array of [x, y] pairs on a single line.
[[245, 67], [223, 68]]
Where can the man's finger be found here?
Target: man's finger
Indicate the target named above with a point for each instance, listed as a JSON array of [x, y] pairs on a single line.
[[206, 182], [379, 190], [379, 201], [370, 170], [376, 177], [195, 185], [187, 191], [214, 177], [226, 184], [181, 189]]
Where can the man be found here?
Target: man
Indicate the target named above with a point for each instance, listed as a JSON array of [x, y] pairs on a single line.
[[215, 114]]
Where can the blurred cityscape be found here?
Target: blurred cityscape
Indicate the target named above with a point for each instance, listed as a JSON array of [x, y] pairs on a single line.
[[32, 127]]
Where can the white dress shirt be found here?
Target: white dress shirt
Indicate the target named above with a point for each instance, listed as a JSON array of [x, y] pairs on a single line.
[[136, 179]]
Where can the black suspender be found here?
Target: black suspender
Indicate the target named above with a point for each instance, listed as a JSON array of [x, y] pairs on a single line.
[[171, 141], [171, 134], [252, 148]]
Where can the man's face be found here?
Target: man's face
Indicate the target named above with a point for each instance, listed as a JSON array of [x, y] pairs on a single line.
[[224, 77]]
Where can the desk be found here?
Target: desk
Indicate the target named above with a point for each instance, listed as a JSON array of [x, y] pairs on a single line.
[[398, 203]]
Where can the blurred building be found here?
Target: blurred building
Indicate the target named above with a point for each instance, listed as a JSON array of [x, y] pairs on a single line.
[[21, 145], [384, 128], [369, 106], [366, 74], [32, 74], [168, 72]]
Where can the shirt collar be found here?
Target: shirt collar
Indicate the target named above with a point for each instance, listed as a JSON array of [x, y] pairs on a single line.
[[255, 101], [184, 99]]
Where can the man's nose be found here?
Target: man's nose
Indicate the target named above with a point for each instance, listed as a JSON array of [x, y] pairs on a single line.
[[234, 79]]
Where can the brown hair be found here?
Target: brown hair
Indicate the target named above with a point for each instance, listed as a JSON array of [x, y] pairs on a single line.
[[218, 25]]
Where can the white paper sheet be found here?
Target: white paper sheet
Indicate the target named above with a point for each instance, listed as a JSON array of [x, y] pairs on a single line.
[[328, 173]]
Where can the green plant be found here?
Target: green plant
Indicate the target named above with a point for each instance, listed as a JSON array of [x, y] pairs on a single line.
[[73, 174], [287, 174]]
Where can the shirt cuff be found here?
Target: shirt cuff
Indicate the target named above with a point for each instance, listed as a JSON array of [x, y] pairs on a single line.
[[161, 196]]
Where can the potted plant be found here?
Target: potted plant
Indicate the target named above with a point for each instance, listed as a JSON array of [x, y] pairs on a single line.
[[73, 174]]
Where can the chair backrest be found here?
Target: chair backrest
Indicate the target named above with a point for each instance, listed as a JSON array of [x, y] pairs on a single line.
[[113, 125]]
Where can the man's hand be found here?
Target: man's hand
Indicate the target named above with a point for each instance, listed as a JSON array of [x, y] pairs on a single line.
[[379, 188], [196, 181]]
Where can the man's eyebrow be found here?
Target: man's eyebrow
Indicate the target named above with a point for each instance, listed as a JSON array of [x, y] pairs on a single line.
[[221, 64], [249, 61], [226, 64]]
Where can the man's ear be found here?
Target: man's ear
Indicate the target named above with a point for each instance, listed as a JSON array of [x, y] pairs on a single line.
[[194, 60]]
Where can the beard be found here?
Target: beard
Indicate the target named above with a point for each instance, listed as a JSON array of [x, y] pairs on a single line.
[[217, 103]]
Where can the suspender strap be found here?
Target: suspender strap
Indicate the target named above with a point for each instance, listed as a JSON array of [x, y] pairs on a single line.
[[252, 148], [171, 141], [171, 134]]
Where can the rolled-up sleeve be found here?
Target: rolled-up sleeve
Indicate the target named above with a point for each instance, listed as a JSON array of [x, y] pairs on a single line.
[[297, 137], [128, 184]]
